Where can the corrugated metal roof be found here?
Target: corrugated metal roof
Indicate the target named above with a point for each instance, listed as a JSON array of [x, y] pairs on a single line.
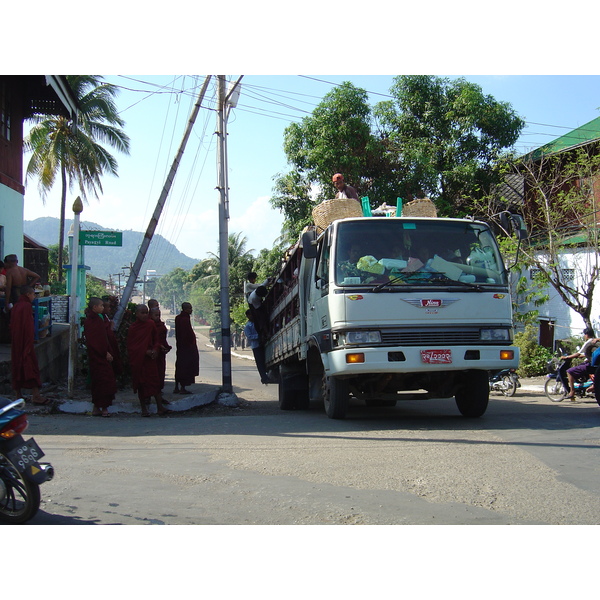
[[585, 134]]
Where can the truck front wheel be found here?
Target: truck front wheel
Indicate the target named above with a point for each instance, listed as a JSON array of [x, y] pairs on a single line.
[[473, 396], [336, 397]]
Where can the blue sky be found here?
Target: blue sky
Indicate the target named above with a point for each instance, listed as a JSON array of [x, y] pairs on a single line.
[[489, 45], [156, 110]]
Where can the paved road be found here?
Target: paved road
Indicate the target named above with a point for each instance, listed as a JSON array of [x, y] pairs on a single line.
[[527, 461]]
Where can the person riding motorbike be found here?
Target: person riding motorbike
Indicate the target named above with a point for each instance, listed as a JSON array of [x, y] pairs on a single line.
[[581, 371]]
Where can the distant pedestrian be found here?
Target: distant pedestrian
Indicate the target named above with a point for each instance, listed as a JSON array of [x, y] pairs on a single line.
[[100, 359], [187, 362]]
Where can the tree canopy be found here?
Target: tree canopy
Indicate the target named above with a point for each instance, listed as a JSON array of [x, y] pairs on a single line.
[[75, 151], [435, 137], [447, 136]]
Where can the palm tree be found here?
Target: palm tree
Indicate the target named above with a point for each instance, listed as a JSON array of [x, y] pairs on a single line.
[[240, 262], [73, 149]]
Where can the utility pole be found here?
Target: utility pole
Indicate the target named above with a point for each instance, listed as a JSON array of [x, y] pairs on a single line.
[[225, 101], [223, 234], [135, 270]]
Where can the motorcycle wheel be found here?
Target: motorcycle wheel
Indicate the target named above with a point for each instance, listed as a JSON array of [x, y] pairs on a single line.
[[508, 386], [555, 390], [19, 497]]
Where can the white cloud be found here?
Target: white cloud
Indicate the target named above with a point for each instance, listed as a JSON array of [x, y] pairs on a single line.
[[260, 223]]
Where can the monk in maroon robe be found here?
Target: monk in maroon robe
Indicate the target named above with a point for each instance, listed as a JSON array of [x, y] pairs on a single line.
[[100, 359], [25, 370], [187, 363], [143, 348], [117, 364], [165, 348]]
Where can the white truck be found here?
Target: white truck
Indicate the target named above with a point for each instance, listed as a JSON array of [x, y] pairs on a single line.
[[385, 309]]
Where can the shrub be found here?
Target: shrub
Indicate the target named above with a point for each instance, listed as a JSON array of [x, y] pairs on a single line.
[[533, 356]]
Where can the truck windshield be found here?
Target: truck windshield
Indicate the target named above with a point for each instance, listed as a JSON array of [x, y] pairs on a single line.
[[406, 251]]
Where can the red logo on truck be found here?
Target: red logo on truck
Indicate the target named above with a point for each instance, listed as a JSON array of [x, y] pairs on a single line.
[[430, 303]]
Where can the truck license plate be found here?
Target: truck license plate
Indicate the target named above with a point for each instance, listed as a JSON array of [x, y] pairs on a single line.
[[436, 357]]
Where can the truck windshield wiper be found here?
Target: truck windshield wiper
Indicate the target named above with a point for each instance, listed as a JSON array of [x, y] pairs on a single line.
[[408, 277], [442, 278], [429, 277]]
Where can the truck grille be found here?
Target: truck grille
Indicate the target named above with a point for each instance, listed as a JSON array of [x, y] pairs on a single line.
[[430, 337]]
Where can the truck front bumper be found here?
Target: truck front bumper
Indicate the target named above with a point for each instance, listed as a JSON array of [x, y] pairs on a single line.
[[364, 361]]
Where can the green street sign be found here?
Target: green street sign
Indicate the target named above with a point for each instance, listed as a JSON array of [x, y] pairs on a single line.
[[101, 238]]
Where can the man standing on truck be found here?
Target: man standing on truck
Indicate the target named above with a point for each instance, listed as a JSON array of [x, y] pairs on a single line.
[[259, 314], [258, 348], [343, 190]]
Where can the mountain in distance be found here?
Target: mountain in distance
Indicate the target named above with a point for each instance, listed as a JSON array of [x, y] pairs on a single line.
[[104, 261]]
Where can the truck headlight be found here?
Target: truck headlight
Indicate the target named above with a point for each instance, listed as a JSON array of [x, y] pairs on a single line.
[[361, 337], [495, 334]]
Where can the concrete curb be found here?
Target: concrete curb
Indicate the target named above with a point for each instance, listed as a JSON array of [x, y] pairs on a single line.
[[179, 405]]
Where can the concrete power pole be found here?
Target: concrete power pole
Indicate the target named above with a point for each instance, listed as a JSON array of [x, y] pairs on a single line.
[[226, 100], [223, 234], [137, 265]]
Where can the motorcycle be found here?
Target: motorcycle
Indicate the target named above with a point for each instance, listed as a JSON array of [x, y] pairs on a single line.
[[21, 473], [556, 385], [506, 382]]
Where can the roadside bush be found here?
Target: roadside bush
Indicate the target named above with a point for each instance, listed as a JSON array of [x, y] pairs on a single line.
[[533, 356]]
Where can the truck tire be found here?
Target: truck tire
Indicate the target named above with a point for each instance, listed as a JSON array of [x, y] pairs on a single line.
[[293, 391], [336, 397], [287, 397], [473, 396]]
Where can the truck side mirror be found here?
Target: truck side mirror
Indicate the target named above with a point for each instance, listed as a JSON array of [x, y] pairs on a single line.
[[514, 224], [309, 244], [519, 226]]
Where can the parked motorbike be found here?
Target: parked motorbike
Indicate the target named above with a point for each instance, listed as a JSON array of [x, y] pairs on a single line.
[[556, 385], [21, 473], [506, 382]]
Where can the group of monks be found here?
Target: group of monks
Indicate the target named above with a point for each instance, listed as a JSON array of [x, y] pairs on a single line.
[[147, 347]]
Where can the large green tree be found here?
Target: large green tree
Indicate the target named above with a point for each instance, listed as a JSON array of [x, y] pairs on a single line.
[[75, 151], [336, 137], [171, 289], [445, 137]]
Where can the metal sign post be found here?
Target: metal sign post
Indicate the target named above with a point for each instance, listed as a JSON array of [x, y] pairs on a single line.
[[73, 306]]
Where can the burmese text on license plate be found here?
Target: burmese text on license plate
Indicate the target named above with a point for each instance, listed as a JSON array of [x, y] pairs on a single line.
[[436, 356]]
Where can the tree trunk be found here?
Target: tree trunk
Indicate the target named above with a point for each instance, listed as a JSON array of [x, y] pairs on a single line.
[[61, 233]]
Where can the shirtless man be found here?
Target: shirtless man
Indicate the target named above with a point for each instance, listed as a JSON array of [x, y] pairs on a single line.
[[16, 277]]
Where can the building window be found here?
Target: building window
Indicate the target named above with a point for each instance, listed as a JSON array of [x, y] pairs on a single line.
[[4, 112], [566, 274]]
